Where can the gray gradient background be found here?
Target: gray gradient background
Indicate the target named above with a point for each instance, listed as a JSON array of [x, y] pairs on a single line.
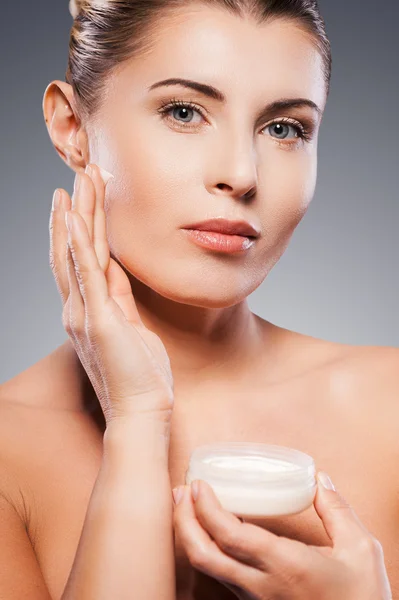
[[338, 279]]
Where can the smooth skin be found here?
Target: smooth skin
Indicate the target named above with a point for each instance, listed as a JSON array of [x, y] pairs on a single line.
[[260, 564], [236, 376]]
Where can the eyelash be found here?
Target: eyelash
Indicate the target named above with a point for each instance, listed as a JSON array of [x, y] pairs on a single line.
[[303, 132]]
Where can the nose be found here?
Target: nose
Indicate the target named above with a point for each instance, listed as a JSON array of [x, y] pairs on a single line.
[[233, 169]]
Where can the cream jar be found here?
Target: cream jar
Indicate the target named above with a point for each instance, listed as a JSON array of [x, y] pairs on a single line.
[[255, 480]]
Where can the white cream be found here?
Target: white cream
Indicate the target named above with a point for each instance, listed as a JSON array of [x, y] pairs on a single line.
[[256, 480], [106, 175]]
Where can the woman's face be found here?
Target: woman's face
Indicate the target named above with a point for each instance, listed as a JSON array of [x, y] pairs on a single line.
[[181, 167]]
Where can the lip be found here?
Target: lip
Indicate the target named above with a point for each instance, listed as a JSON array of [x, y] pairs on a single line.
[[221, 225], [220, 242]]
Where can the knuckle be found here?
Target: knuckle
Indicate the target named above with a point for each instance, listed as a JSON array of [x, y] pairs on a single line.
[[68, 329], [197, 556], [378, 548], [85, 274], [71, 325], [76, 324], [66, 323], [369, 545], [229, 542], [340, 503], [78, 330]]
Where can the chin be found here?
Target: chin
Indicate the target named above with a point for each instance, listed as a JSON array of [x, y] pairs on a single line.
[[198, 283], [205, 293]]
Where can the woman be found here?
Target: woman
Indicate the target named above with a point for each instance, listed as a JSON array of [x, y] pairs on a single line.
[[163, 353]]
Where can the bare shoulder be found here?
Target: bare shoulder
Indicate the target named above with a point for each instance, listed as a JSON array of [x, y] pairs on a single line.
[[360, 381], [378, 365], [374, 370], [371, 375]]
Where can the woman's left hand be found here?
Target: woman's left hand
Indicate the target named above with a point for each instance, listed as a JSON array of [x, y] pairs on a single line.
[[257, 565]]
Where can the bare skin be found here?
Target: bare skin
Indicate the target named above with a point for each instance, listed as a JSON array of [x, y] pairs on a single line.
[[237, 376], [339, 407]]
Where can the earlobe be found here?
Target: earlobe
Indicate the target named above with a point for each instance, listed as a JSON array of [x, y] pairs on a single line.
[[63, 125]]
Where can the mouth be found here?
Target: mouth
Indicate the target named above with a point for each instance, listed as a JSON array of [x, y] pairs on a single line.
[[226, 227], [221, 242]]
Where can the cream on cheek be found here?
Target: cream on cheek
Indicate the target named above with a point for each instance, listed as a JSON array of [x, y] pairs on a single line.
[[106, 175]]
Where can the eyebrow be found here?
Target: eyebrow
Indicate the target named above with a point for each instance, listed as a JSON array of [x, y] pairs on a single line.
[[215, 94]]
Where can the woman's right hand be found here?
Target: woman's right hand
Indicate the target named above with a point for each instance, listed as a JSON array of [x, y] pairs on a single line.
[[126, 363]]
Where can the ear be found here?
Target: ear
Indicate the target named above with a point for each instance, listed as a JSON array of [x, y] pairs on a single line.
[[64, 126]]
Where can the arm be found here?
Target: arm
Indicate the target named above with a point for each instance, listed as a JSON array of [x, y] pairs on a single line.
[[126, 549], [126, 546]]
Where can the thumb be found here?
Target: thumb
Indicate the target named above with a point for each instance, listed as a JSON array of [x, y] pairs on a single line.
[[339, 519]]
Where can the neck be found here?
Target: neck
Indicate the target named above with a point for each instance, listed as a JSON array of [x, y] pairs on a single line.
[[202, 343], [198, 340]]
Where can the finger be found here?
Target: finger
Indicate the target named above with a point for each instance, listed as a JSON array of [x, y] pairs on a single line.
[[74, 310], [203, 553], [99, 225], [59, 241], [120, 290], [245, 542], [340, 521], [119, 287], [91, 279], [84, 200]]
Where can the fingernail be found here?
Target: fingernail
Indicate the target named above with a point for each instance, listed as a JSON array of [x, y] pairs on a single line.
[[325, 481], [178, 494], [56, 199], [194, 489]]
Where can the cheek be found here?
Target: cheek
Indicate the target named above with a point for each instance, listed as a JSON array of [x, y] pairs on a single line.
[[288, 191], [156, 180], [150, 198]]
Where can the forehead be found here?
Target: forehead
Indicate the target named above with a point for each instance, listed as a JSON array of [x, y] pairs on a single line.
[[235, 54]]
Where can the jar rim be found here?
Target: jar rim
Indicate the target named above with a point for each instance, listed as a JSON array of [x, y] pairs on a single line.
[[299, 467]]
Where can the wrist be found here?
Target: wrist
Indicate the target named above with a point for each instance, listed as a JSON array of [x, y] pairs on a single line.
[[145, 434], [153, 406]]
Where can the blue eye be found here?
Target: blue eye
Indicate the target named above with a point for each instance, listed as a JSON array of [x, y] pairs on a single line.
[[180, 112], [282, 130]]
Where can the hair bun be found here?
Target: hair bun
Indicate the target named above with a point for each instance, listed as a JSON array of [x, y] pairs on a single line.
[[75, 6]]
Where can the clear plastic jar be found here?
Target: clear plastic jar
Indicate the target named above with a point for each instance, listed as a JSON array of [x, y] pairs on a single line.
[[255, 480]]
